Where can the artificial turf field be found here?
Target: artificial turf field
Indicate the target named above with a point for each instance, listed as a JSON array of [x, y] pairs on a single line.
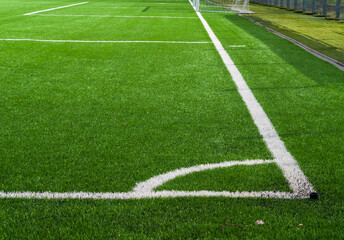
[[83, 112]]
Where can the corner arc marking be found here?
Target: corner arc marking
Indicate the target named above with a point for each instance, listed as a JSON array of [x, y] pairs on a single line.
[[154, 182]]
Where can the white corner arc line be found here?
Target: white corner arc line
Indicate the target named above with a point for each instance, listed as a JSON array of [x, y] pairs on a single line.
[[50, 9], [154, 182], [90, 41], [112, 16], [290, 168]]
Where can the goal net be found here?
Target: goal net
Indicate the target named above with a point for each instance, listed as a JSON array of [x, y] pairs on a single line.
[[237, 6]]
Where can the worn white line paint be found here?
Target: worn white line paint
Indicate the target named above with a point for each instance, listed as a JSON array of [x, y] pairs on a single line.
[[112, 16], [89, 41], [46, 10], [291, 170]]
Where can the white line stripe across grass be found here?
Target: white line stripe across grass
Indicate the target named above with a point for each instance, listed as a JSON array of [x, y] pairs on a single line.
[[46, 10], [133, 195], [90, 41], [112, 16], [297, 180]]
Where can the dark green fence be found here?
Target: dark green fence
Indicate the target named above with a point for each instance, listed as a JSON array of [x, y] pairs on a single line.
[[329, 8]]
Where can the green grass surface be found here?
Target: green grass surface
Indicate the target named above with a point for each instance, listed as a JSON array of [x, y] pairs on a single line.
[[324, 36], [102, 117], [85, 114]]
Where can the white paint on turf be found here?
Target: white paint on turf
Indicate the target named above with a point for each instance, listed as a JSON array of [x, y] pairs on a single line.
[[291, 169], [46, 10], [154, 182], [146, 189], [134, 195], [112, 16], [90, 41]]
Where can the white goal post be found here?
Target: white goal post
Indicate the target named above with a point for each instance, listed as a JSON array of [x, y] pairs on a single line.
[[237, 6]]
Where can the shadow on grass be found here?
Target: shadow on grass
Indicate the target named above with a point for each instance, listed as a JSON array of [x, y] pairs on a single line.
[[328, 50], [321, 72]]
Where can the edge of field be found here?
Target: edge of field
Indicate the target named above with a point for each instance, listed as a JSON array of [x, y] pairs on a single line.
[[301, 28]]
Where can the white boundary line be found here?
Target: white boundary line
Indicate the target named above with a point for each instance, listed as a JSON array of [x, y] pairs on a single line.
[[90, 41], [132, 195], [291, 170], [146, 189], [154, 182], [112, 16], [298, 182], [46, 10]]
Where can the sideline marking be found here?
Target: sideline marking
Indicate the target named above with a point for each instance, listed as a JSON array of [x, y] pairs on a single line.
[[132, 195], [46, 10], [298, 182], [89, 41], [110, 16]]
